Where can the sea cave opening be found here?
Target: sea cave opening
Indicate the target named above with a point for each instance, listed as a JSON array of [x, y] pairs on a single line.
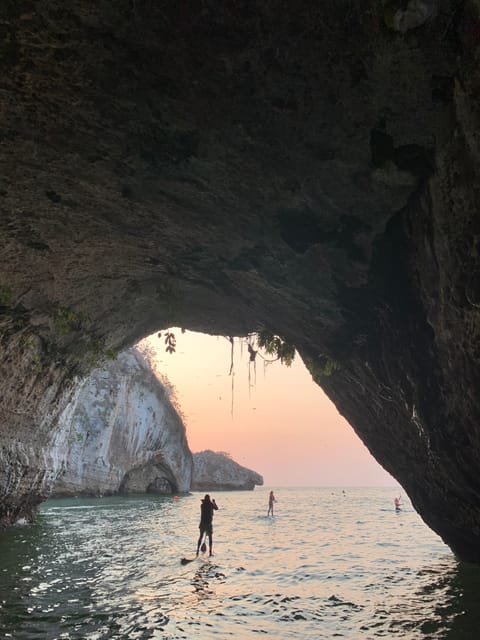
[[273, 418]]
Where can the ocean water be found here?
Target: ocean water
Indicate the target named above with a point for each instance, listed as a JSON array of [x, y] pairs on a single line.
[[329, 564]]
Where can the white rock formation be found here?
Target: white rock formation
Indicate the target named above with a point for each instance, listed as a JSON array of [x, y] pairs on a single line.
[[122, 434], [218, 472]]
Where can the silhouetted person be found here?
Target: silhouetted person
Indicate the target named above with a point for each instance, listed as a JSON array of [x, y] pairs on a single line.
[[271, 500], [207, 508]]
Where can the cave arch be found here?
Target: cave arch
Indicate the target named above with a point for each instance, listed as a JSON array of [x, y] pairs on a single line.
[[265, 415], [309, 170]]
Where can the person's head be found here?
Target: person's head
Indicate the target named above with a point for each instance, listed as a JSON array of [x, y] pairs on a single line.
[[206, 498]]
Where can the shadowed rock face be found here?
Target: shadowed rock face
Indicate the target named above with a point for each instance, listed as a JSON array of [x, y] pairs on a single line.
[[226, 167]]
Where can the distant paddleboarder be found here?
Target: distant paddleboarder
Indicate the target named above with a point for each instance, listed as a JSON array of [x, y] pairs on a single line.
[[398, 503], [207, 508], [271, 500]]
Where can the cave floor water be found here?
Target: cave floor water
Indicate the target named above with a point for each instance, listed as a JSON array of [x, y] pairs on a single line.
[[330, 563]]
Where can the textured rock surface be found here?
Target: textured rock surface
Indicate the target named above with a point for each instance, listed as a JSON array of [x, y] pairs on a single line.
[[123, 435], [213, 471], [311, 168]]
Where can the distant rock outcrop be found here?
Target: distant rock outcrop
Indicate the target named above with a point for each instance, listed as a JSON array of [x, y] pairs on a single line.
[[123, 435], [218, 472]]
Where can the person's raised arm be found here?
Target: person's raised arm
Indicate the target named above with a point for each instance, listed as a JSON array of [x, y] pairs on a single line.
[[214, 504]]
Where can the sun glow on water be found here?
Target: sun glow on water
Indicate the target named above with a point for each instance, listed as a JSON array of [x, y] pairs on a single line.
[[331, 562]]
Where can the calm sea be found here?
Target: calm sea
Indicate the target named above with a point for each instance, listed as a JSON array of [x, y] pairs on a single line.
[[330, 564]]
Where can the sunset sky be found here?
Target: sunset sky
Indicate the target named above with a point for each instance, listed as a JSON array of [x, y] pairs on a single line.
[[281, 425]]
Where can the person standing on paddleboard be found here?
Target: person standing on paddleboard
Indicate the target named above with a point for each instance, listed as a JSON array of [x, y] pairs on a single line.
[[206, 521], [271, 500]]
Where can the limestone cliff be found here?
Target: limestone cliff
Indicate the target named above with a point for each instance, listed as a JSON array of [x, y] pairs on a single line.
[[123, 434], [230, 166], [213, 471]]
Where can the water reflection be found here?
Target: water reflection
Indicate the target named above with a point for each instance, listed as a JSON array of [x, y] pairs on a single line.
[[461, 606], [204, 580], [111, 569]]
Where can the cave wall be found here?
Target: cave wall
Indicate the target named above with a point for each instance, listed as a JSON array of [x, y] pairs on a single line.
[[226, 167]]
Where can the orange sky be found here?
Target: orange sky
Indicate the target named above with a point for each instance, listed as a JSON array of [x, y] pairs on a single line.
[[283, 426]]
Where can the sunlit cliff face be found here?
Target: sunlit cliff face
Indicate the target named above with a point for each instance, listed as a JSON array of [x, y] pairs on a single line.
[[226, 168]]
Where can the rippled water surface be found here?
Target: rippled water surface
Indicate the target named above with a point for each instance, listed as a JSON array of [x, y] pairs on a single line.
[[327, 565]]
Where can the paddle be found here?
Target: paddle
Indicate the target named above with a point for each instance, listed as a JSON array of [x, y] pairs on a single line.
[[203, 549]]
